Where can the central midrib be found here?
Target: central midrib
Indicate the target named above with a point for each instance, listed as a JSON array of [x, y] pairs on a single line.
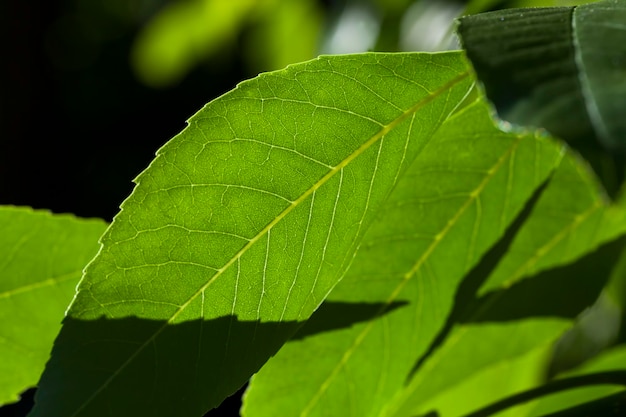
[[330, 174]]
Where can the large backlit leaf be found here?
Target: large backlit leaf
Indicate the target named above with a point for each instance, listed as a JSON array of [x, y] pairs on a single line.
[[559, 68], [454, 203], [245, 222], [41, 260]]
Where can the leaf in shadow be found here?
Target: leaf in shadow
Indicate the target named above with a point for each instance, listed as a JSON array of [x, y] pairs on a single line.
[[525, 59], [117, 369]]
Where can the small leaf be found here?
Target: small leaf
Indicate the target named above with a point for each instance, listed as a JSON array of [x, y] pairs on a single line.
[[41, 259], [239, 229]]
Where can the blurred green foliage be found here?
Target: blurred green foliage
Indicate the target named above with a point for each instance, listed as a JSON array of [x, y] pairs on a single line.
[[271, 34], [185, 33]]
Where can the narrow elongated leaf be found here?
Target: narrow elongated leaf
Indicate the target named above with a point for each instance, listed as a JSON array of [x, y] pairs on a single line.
[[240, 228], [611, 360], [559, 68], [504, 327], [41, 259], [454, 203]]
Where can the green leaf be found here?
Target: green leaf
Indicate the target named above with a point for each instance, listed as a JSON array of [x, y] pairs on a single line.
[[508, 324], [569, 221], [609, 406], [42, 256], [182, 34], [558, 68], [495, 331], [611, 360], [455, 202], [240, 228], [600, 40]]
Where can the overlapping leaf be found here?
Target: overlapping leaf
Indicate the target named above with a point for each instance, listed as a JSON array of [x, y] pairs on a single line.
[[240, 228], [41, 259], [454, 203]]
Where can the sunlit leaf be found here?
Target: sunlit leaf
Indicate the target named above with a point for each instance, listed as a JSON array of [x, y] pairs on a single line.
[[507, 325], [370, 368], [560, 232], [41, 259], [496, 381], [241, 227]]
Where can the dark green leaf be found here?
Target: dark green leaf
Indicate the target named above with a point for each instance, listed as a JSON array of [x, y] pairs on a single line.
[[557, 68]]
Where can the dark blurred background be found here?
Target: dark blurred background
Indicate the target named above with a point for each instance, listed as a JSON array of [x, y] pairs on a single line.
[[90, 89]]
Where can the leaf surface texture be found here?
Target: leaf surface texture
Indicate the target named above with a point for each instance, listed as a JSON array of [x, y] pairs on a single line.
[[240, 228]]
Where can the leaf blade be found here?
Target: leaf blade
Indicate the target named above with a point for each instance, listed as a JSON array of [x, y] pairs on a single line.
[[300, 156]]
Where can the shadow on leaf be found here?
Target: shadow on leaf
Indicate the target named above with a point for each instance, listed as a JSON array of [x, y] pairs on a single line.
[[559, 292], [133, 366]]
